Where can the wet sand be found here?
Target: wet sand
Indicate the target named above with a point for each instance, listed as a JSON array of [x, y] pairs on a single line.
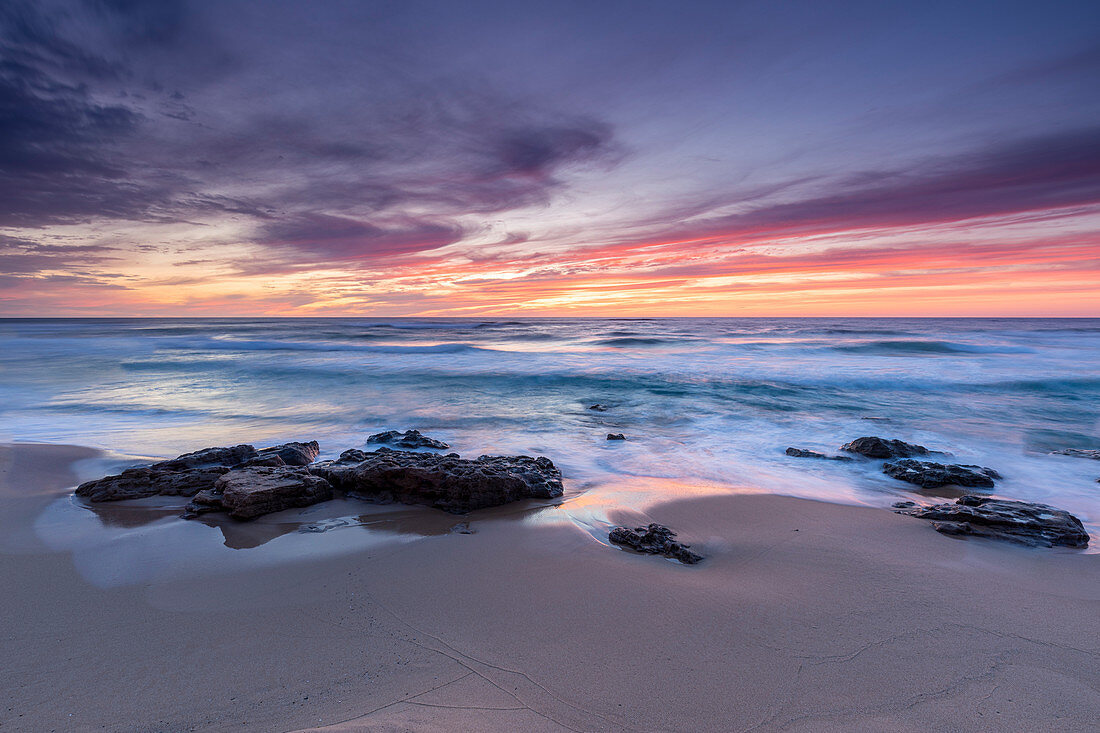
[[805, 616]]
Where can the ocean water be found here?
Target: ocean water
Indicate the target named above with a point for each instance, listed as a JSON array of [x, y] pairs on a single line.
[[710, 403]]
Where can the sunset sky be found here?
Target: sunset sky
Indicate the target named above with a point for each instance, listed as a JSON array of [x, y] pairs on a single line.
[[549, 158]]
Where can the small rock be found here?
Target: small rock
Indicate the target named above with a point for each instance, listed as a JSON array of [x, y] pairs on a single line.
[[1037, 525], [904, 504], [599, 408], [655, 539], [874, 447], [1079, 453], [616, 436], [463, 528], [802, 453], [407, 439], [928, 475]]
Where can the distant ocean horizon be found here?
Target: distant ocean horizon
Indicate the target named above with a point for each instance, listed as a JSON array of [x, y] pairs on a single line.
[[708, 400]]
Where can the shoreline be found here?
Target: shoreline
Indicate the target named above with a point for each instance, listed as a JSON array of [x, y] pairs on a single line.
[[804, 616]]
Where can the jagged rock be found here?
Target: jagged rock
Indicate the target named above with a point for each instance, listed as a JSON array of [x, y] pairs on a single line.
[[599, 408], [294, 454], [1079, 453], [874, 447], [407, 439], [928, 475], [616, 436], [803, 453], [446, 482], [139, 483], [184, 475], [191, 473], [246, 493], [1037, 525], [655, 539]]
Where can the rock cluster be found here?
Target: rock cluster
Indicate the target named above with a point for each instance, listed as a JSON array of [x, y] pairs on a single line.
[[655, 539], [445, 482], [246, 483], [407, 439], [616, 436], [1037, 525], [928, 475]]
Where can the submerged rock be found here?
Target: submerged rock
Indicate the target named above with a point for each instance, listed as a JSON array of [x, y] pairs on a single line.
[[599, 408], [803, 453], [246, 493], [655, 539], [1079, 453], [616, 436], [1037, 525], [407, 439], [874, 447], [928, 475], [445, 482]]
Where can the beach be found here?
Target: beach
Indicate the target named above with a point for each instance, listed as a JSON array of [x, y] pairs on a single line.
[[805, 615]]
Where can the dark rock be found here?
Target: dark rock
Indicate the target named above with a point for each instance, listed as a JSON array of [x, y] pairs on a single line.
[[139, 483], [462, 528], [616, 436], [446, 482], [655, 539], [927, 474], [599, 408], [294, 454], [873, 447], [208, 457], [1037, 525], [246, 493], [185, 475], [1079, 453], [802, 453], [269, 459], [904, 504], [407, 439]]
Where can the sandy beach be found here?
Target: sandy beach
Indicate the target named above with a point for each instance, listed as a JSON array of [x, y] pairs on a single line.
[[804, 616]]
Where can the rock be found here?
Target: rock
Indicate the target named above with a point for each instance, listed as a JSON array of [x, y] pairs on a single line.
[[655, 539], [904, 504], [294, 454], [208, 457], [873, 447], [599, 408], [1037, 525], [446, 482], [928, 475], [1079, 453], [616, 436], [462, 528], [139, 483], [407, 439], [184, 475], [191, 473], [246, 493], [802, 453]]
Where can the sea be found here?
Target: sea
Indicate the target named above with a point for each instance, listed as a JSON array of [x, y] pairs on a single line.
[[709, 403]]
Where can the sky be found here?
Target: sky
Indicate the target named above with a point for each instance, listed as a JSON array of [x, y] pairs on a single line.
[[408, 158]]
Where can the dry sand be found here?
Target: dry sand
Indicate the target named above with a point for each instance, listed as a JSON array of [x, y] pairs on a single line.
[[805, 616]]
